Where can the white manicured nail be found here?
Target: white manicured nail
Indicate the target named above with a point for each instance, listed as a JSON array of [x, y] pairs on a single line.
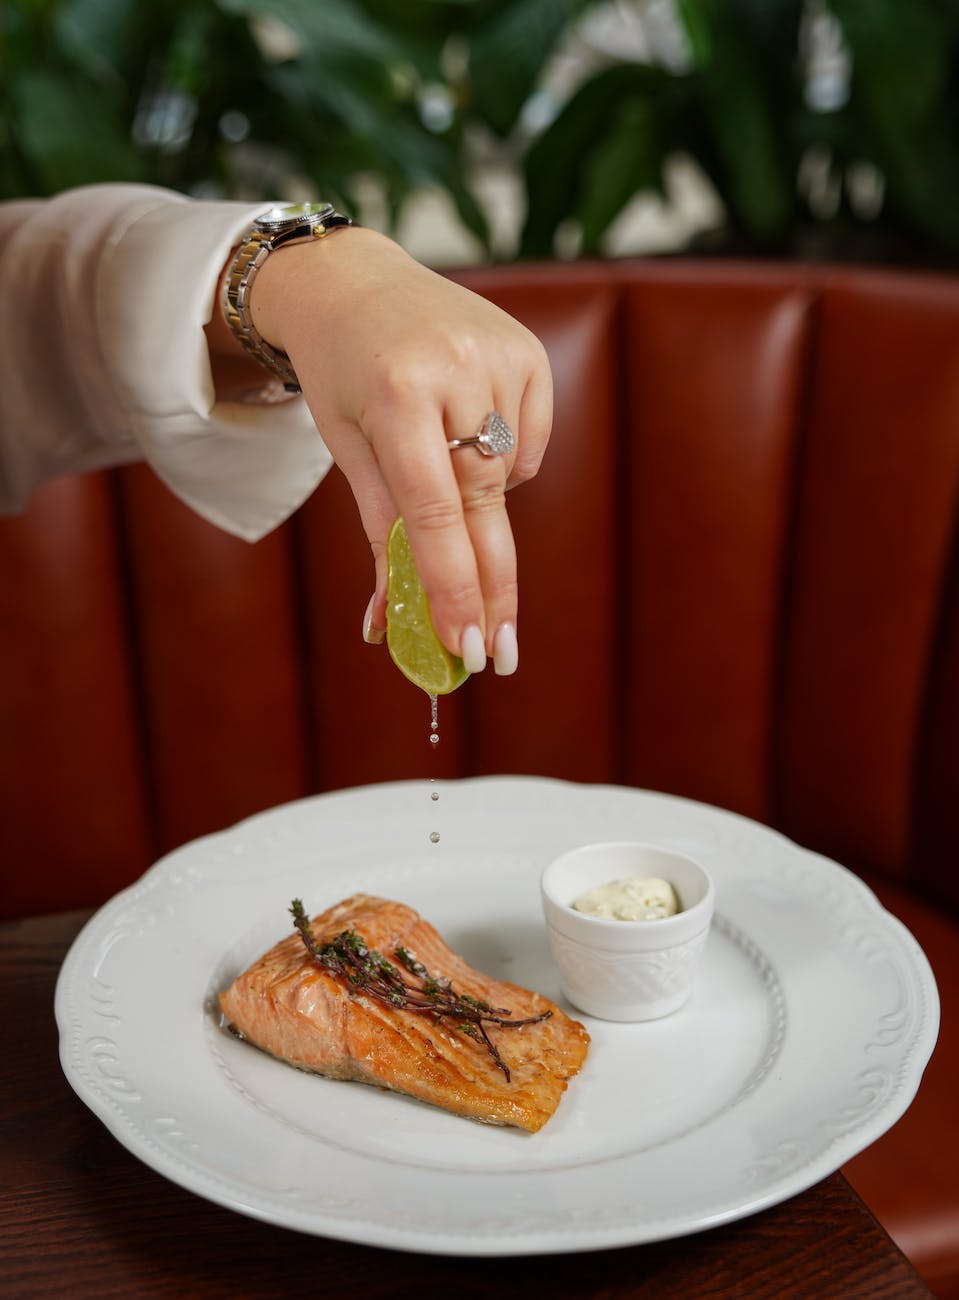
[[371, 635], [472, 649], [505, 650]]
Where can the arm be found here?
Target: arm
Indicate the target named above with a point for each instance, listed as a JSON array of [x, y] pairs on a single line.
[[393, 359], [107, 290]]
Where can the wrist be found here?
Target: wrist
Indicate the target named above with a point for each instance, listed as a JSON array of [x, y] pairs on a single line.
[[307, 284], [280, 228]]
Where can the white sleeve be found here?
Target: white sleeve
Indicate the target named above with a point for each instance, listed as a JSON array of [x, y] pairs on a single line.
[[105, 293]]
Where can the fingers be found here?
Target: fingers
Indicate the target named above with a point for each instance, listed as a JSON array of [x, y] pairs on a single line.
[[535, 420], [462, 540], [424, 486], [482, 487], [454, 505]]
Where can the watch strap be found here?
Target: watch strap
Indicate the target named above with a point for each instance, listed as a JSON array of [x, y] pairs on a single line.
[[253, 252]]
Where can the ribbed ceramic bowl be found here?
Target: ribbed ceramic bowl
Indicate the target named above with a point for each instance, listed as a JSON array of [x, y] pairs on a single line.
[[626, 970]]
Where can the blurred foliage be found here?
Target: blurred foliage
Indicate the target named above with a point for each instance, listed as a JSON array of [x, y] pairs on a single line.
[[231, 97], [254, 97], [848, 149]]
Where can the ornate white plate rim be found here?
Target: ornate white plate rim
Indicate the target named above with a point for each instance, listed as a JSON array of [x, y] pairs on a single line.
[[765, 1156]]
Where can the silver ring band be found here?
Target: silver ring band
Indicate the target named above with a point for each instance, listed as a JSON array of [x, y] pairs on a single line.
[[495, 438]]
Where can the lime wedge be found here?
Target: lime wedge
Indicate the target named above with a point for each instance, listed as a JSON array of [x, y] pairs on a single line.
[[416, 650]]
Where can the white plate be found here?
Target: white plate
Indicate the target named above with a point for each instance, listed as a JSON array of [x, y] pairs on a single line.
[[804, 1040]]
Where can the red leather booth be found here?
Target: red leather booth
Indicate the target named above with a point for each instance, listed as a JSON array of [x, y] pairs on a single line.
[[739, 582]]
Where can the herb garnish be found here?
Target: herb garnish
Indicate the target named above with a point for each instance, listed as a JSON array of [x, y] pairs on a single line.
[[368, 971]]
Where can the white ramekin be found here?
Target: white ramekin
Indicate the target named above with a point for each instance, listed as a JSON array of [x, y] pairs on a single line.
[[626, 970]]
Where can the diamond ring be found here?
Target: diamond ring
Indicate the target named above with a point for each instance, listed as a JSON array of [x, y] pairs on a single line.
[[495, 438]]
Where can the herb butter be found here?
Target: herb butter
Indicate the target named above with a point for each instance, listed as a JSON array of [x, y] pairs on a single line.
[[630, 900]]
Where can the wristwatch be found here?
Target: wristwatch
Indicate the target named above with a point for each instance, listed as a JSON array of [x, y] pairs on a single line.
[[276, 228]]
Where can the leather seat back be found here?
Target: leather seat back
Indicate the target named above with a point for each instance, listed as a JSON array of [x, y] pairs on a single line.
[[739, 582]]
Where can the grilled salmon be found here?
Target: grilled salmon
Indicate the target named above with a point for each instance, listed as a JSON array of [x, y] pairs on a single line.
[[382, 999]]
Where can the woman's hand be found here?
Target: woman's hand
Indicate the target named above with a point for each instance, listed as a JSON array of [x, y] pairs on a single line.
[[395, 360]]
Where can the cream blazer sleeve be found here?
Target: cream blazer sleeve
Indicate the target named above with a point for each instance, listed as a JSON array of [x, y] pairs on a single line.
[[104, 292]]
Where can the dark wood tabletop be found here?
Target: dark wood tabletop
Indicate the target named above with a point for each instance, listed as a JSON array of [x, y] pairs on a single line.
[[80, 1216]]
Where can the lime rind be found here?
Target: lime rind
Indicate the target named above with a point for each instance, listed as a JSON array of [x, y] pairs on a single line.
[[410, 636]]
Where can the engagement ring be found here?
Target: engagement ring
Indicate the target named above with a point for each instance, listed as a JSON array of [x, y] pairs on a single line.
[[495, 438]]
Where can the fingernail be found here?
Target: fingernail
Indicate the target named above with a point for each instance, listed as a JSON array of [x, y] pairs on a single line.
[[472, 649], [505, 650], [371, 635]]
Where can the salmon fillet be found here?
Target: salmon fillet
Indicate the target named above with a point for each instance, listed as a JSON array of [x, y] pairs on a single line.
[[289, 1005]]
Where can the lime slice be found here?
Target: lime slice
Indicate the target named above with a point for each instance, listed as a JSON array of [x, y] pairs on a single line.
[[416, 650]]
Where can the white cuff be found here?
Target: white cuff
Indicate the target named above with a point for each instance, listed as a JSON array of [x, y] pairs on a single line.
[[244, 467]]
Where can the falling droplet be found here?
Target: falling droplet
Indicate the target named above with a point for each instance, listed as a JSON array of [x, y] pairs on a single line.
[[434, 741]]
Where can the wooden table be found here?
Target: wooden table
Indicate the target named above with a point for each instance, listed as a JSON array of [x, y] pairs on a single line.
[[80, 1216]]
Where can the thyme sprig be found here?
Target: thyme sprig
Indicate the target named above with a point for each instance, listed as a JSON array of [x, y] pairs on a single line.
[[366, 970]]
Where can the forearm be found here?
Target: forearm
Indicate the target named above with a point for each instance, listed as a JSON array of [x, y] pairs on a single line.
[[107, 290], [58, 411]]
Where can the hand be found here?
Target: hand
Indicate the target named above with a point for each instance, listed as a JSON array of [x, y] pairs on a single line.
[[394, 360]]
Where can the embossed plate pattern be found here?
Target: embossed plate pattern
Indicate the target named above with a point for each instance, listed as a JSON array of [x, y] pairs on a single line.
[[804, 1040]]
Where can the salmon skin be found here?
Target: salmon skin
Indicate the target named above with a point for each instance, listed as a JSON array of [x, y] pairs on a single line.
[[310, 1016]]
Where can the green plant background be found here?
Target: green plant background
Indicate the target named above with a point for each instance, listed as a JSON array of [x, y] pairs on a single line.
[[248, 97]]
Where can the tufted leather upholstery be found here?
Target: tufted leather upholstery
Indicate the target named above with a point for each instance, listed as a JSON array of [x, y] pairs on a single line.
[[739, 578]]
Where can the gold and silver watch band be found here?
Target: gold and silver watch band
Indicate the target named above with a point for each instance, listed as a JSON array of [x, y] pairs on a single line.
[[273, 231]]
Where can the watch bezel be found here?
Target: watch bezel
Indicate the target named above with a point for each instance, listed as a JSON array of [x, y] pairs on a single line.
[[277, 220]]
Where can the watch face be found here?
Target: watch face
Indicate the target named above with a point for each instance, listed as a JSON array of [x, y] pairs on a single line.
[[290, 215]]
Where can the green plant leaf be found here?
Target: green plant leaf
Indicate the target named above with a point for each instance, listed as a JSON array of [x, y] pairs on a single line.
[[693, 19], [759, 184], [358, 108], [556, 163], [507, 55], [384, 138], [433, 19], [627, 160], [336, 29], [68, 133], [749, 83], [907, 124], [77, 78], [101, 36], [891, 42]]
